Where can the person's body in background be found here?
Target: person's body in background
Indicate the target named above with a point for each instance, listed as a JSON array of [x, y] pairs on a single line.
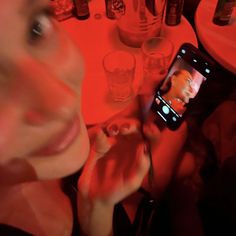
[[217, 205]]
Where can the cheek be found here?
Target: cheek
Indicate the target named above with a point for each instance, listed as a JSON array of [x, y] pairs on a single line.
[[84, 146], [73, 69], [9, 123], [66, 61]]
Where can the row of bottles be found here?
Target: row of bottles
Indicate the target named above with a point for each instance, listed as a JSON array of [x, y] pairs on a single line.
[[63, 9], [80, 8], [138, 20], [222, 13]]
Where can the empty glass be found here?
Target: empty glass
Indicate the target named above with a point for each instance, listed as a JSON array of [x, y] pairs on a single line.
[[119, 68], [157, 53]]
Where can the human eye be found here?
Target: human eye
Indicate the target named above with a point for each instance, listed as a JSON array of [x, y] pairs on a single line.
[[41, 26]]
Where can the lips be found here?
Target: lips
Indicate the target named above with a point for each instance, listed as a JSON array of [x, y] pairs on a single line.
[[62, 141]]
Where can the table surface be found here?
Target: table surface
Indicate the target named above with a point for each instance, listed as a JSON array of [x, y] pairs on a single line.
[[97, 36], [219, 41]]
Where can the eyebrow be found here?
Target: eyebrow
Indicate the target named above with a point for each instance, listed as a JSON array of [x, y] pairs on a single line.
[[26, 4]]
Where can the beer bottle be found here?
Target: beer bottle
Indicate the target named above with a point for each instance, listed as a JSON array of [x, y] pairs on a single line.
[[174, 9], [223, 11], [81, 9]]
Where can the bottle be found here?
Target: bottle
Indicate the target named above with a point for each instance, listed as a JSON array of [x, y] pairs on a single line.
[[174, 9], [62, 10], [109, 11], [138, 20], [223, 11], [81, 9]]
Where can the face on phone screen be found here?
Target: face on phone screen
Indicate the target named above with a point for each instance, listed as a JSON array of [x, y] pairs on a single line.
[[180, 86]]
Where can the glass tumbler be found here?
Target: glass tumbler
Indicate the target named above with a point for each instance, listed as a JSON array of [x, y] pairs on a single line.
[[119, 67]]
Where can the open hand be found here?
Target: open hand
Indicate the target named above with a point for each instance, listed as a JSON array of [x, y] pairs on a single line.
[[122, 164]]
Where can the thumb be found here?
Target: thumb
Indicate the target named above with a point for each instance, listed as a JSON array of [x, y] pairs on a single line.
[[142, 166], [103, 143]]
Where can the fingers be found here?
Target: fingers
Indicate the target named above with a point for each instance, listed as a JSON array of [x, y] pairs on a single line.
[[103, 143], [123, 126], [99, 148], [144, 160], [100, 142], [92, 132], [133, 178], [141, 170]]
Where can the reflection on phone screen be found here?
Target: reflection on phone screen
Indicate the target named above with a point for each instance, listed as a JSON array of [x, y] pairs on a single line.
[[180, 86]]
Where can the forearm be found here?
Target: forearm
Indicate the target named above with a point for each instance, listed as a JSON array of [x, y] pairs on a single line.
[[95, 217]]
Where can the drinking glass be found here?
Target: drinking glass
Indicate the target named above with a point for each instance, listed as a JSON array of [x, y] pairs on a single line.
[[119, 68], [157, 53]]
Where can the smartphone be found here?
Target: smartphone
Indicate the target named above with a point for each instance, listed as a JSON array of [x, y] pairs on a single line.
[[189, 72]]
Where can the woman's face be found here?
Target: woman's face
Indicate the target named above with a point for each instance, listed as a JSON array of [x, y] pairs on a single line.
[[182, 88], [42, 133]]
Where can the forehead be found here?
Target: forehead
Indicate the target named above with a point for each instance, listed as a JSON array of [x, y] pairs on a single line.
[[18, 6], [184, 76]]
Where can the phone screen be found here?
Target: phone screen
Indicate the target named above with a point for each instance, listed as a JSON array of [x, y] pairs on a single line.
[[180, 86], [189, 71]]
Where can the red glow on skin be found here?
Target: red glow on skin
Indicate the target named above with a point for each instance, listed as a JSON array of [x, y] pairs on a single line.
[[17, 171], [62, 141], [120, 163], [44, 95], [7, 125], [34, 117]]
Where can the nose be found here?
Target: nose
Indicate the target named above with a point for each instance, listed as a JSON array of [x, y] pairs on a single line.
[[43, 94]]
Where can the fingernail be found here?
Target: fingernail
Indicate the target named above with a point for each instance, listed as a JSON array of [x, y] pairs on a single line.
[[113, 129]]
